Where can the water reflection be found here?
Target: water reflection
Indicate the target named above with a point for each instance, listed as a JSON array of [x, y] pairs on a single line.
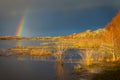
[[7, 43], [28, 43], [59, 70]]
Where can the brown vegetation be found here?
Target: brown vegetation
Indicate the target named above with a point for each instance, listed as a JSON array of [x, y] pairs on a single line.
[[42, 52], [106, 42]]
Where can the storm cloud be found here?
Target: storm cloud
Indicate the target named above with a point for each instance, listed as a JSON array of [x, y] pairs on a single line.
[[55, 17], [16, 7]]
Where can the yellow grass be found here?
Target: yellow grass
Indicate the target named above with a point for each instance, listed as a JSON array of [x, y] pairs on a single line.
[[35, 52]]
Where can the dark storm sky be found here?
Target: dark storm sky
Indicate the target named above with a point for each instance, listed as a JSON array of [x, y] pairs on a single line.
[[56, 17]]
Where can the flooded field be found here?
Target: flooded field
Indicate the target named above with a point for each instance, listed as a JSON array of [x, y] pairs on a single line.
[[67, 66]]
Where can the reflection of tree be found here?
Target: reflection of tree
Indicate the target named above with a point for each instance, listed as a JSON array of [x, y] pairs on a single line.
[[59, 70]]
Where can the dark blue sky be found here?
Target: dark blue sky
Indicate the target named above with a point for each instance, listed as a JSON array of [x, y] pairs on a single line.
[[56, 17]]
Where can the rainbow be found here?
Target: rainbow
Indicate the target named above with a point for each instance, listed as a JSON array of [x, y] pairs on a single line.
[[22, 23]]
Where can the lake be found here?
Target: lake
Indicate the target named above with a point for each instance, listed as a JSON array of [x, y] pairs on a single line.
[[42, 68]]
